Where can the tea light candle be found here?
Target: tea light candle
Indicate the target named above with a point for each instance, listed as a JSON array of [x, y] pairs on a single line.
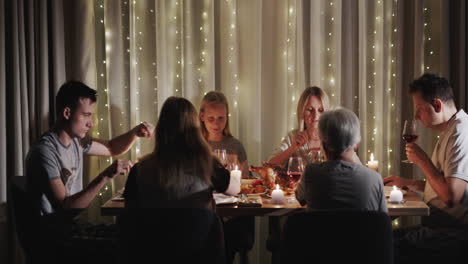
[[277, 196], [373, 164], [235, 182], [395, 195]]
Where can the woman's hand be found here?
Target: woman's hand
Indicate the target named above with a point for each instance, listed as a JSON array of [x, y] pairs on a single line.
[[144, 129], [300, 139]]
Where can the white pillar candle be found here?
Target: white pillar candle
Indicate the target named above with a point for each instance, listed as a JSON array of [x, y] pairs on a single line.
[[373, 164], [235, 182], [395, 195], [277, 196]]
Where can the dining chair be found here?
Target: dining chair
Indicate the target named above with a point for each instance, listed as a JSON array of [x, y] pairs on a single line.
[[337, 236], [21, 215], [179, 235]]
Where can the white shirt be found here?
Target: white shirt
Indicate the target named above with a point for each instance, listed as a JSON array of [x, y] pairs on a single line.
[[450, 157]]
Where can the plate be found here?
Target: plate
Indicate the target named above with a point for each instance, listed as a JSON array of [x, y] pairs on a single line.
[[256, 194], [118, 198], [249, 188], [389, 189]]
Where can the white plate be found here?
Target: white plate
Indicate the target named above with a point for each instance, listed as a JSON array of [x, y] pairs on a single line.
[[389, 189], [256, 194]]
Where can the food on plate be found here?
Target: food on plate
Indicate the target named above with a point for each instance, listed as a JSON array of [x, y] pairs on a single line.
[[251, 189], [267, 174], [272, 175]]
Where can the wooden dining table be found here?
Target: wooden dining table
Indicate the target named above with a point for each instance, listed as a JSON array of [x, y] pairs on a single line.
[[413, 206]]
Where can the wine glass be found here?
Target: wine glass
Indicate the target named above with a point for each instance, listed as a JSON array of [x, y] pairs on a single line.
[[222, 156], [233, 162], [295, 169], [316, 156], [409, 133]]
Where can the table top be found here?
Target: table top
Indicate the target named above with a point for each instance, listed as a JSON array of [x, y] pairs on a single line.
[[413, 206]]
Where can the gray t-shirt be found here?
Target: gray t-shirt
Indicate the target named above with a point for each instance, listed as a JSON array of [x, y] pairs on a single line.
[[48, 160], [339, 184], [232, 146]]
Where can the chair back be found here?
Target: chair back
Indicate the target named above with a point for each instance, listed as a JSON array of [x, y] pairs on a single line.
[[338, 236], [180, 235], [21, 214]]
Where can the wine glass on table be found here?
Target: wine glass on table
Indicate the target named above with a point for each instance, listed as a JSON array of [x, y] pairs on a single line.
[[295, 170], [409, 133], [222, 156]]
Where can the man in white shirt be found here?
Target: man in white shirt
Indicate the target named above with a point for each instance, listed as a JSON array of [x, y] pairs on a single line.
[[443, 233]]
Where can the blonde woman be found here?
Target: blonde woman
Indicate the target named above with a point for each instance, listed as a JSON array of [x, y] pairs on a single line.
[[304, 139]]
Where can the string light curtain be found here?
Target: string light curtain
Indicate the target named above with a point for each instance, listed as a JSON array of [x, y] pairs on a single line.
[[147, 51], [261, 54]]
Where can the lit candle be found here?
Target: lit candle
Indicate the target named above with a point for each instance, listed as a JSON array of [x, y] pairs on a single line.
[[235, 182], [277, 196], [373, 164], [395, 195]]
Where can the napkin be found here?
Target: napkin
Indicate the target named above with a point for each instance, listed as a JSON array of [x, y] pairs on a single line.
[[254, 201], [221, 198]]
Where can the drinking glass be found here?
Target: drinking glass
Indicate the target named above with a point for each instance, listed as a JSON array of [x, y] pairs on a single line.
[[222, 156], [232, 162], [295, 169], [316, 156], [409, 134]]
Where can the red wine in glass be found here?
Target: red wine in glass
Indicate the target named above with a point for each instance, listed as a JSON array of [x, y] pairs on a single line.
[[410, 138], [295, 170], [294, 177], [409, 133]]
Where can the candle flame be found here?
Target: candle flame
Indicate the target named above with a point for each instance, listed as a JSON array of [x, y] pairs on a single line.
[[277, 186], [372, 157], [235, 168], [394, 188]]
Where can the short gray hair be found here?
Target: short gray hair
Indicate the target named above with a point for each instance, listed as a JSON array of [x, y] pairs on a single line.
[[339, 130]]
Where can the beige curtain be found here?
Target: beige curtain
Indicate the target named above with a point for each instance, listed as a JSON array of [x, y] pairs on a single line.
[[260, 53], [3, 114], [32, 70]]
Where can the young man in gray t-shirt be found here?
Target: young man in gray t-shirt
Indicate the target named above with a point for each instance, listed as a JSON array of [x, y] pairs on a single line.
[[54, 165]]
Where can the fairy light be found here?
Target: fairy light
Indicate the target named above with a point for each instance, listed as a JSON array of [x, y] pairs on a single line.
[[431, 51], [330, 58], [290, 60], [205, 30], [102, 67], [231, 62], [177, 9], [390, 140]]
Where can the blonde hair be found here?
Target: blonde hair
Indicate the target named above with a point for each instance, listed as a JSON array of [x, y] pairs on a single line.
[[215, 97], [180, 148], [306, 94]]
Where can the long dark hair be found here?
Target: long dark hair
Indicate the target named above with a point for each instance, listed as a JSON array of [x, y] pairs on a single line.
[[180, 148]]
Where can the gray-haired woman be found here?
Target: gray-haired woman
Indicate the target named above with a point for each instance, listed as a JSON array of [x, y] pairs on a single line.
[[340, 182]]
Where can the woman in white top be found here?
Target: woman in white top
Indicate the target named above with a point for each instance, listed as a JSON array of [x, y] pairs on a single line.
[[302, 140]]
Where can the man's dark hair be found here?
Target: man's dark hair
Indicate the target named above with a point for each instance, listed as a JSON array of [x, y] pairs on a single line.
[[432, 87], [69, 95]]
